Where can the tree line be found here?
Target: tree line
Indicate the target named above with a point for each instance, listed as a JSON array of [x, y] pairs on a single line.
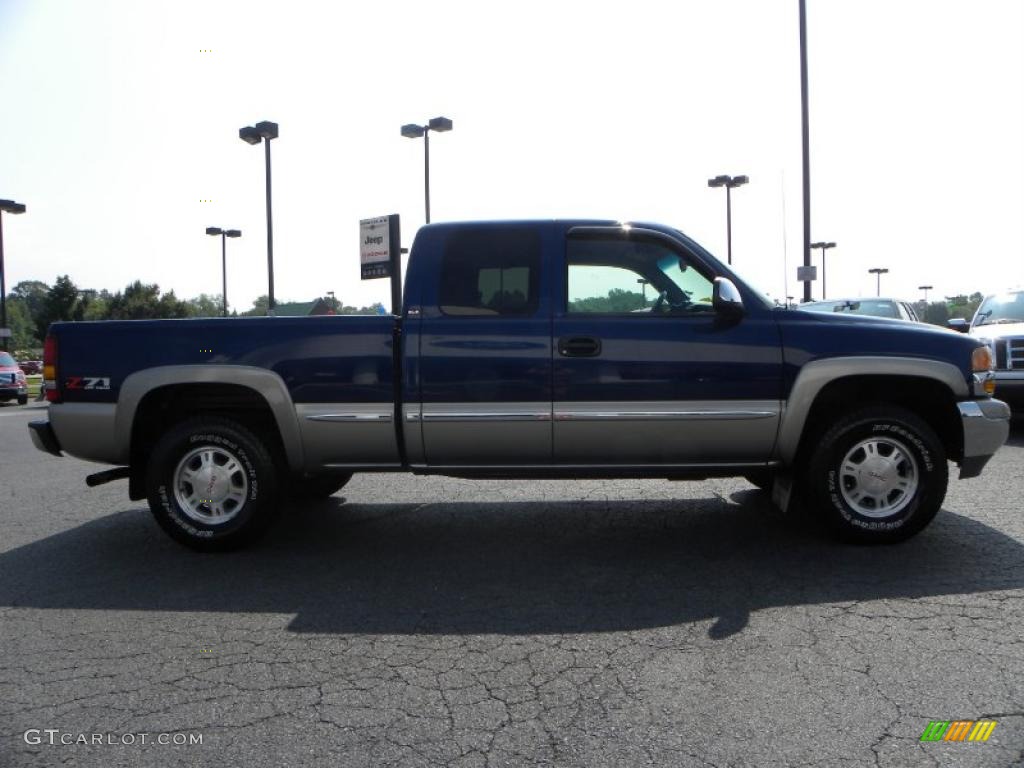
[[32, 305]]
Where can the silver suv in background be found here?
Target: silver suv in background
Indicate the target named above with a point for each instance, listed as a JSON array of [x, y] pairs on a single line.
[[999, 322], [894, 309]]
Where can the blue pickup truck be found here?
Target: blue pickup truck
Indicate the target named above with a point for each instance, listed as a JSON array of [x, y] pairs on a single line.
[[554, 349]]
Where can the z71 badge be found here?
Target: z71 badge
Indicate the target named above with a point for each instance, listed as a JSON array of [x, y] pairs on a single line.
[[87, 382]]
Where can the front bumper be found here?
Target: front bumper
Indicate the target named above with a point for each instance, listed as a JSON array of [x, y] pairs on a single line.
[[43, 437], [8, 392], [986, 427]]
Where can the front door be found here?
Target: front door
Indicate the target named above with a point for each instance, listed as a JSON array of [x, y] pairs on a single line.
[[645, 371]]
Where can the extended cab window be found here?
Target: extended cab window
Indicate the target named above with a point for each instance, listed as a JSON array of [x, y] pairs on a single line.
[[491, 271], [633, 276]]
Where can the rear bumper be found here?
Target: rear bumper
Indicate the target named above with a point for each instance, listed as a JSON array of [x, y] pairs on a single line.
[[986, 427], [43, 437]]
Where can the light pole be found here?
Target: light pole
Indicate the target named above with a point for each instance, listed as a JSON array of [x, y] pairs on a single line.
[[805, 132], [6, 206], [925, 288], [254, 134], [224, 257], [730, 183], [878, 272], [414, 131], [824, 247]]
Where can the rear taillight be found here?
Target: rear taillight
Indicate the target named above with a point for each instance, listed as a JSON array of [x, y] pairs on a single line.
[[50, 369]]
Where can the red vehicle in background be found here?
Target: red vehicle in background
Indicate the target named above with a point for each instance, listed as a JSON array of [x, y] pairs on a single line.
[[12, 380], [31, 367]]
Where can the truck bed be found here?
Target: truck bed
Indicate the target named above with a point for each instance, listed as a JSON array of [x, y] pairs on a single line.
[[323, 359]]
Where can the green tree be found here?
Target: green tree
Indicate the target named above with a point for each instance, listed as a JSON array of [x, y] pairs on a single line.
[[141, 301], [97, 304], [259, 307], [33, 293], [23, 329], [205, 305], [62, 302], [617, 300]]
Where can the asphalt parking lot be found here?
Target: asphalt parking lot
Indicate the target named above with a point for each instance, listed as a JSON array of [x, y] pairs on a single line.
[[430, 621]]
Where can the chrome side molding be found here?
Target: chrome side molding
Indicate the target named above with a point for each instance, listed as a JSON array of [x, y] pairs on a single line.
[[349, 417]]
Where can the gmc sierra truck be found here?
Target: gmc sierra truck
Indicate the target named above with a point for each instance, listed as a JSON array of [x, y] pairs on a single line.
[[532, 349]]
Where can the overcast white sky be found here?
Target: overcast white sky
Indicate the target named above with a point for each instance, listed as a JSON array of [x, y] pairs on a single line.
[[115, 126]]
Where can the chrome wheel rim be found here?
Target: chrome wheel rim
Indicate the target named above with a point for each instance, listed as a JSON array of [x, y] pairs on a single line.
[[210, 485], [878, 477]]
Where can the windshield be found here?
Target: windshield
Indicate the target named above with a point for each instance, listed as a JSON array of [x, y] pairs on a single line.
[[872, 307], [1008, 308], [6, 361]]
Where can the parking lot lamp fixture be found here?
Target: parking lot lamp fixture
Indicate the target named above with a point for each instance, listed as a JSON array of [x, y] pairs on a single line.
[[878, 272], [730, 183], [224, 233], [254, 134], [415, 131], [824, 247]]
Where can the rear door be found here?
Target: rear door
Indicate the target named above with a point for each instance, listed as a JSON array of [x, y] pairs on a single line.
[[485, 349], [645, 371]]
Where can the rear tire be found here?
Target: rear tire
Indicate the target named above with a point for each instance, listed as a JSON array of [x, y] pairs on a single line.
[[212, 484], [878, 476]]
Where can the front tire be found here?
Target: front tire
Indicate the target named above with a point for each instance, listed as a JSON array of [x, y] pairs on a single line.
[[878, 476], [22, 399], [211, 484]]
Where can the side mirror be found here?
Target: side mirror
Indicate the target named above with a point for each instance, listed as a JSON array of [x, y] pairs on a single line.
[[725, 297], [958, 324]]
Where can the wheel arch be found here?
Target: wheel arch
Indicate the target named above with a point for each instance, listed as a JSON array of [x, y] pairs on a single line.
[[159, 396], [929, 388]]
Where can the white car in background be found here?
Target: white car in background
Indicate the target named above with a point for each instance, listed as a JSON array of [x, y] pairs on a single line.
[[894, 309]]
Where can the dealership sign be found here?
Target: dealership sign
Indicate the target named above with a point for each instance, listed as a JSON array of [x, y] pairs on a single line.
[[375, 246]]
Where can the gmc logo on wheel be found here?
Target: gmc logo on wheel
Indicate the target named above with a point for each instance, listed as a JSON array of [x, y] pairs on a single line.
[[87, 382]]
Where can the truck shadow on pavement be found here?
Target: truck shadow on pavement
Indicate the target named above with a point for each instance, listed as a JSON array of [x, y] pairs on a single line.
[[1016, 431], [507, 568]]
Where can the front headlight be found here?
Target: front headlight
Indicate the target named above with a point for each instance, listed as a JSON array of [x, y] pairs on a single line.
[[981, 359], [984, 378]]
